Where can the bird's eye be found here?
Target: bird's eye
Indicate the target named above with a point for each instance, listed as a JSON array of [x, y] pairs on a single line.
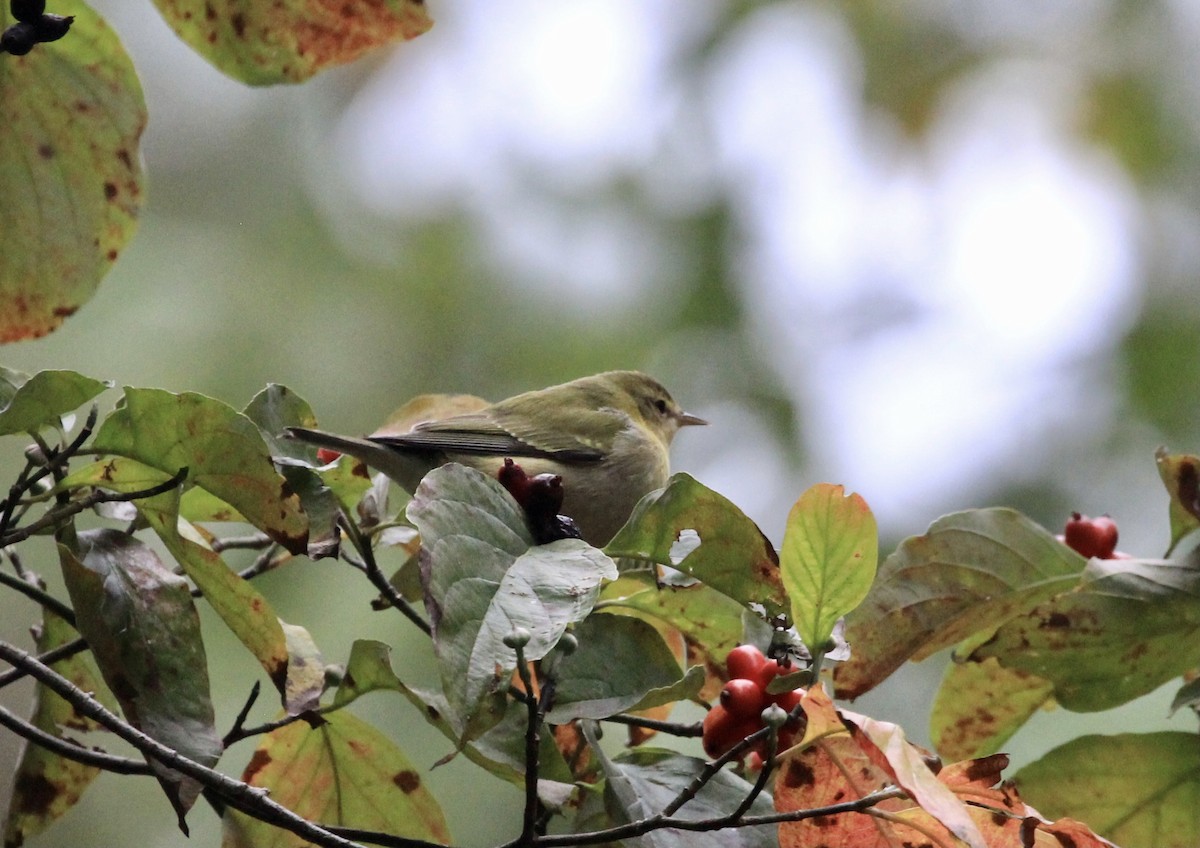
[[661, 406]]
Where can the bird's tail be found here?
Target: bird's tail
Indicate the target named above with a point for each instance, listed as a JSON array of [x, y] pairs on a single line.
[[405, 469]]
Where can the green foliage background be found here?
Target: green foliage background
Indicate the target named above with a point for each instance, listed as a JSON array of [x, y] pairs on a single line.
[[251, 266]]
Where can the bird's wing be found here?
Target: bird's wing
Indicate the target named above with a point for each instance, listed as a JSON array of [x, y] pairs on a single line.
[[482, 435]]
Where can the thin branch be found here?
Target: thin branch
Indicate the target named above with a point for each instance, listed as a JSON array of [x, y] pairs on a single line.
[[673, 728], [29, 477], [254, 542], [97, 496], [67, 649], [238, 734], [232, 736], [764, 775], [375, 837], [660, 822], [71, 750], [532, 743], [39, 595], [248, 799], [712, 767], [378, 579]]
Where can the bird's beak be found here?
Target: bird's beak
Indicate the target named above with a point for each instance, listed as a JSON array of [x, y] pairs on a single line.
[[686, 418]]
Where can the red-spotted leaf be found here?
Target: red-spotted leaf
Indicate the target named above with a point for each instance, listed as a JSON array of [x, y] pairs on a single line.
[[908, 767], [139, 621], [71, 118], [262, 42], [1135, 789], [981, 704], [342, 772], [732, 555], [970, 572], [830, 549], [1126, 629], [221, 448], [47, 785]]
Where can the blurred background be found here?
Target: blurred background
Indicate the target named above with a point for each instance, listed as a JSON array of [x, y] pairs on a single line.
[[943, 253]]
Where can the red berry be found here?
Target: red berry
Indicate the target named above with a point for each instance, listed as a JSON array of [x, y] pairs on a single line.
[[768, 672], [745, 661], [1091, 537], [326, 455], [743, 699], [722, 731]]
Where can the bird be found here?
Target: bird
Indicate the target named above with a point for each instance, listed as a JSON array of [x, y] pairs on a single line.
[[606, 435]]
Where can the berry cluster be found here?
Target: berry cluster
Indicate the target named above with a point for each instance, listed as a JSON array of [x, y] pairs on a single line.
[[1092, 537], [541, 497], [742, 701], [33, 26]]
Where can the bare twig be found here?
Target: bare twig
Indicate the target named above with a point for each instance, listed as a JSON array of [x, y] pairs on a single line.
[[250, 800], [39, 595], [533, 741], [30, 476], [669, 727], [71, 750], [660, 822], [378, 579], [232, 736], [253, 542], [97, 496], [67, 649]]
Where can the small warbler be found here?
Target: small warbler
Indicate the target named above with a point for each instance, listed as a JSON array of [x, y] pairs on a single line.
[[607, 437]]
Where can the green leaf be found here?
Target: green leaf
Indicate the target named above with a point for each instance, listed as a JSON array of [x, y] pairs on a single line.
[[1135, 789], [276, 408], [47, 785], [830, 549], [342, 772], [71, 117], [970, 572], [733, 556], [262, 42], [142, 627], [368, 669], [501, 750], [41, 400], [198, 504], [712, 623], [483, 580], [243, 609], [1180, 473], [643, 781], [1129, 627], [981, 704], [221, 448], [593, 682]]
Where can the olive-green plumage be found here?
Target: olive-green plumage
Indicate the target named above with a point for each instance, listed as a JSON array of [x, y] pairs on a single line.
[[606, 435]]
